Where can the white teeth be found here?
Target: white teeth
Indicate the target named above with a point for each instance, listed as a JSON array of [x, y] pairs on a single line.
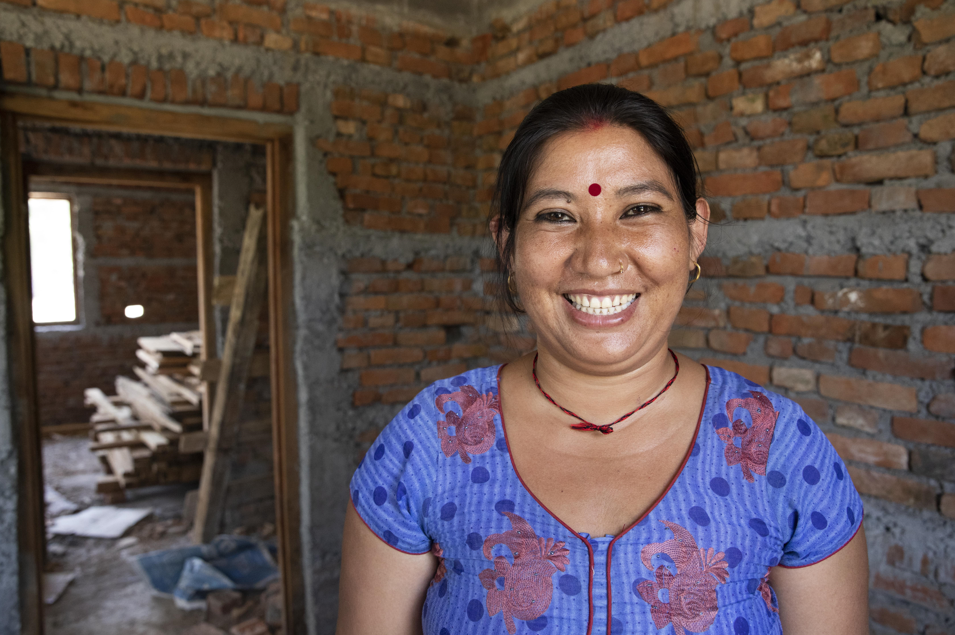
[[601, 305]]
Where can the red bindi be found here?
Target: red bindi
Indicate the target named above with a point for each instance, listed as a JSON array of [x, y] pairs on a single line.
[[594, 189]]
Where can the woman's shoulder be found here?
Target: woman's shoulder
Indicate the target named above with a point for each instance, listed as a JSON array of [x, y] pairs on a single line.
[[731, 395]]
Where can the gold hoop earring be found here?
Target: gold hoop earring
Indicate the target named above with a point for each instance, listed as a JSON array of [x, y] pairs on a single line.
[[699, 272], [510, 283]]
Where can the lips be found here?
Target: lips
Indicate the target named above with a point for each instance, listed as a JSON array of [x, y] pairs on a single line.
[[601, 304]]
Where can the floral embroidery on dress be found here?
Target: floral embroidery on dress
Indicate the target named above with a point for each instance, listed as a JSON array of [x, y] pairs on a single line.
[[767, 592], [527, 588], [474, 429], [442, 569], [690, 603], [753, 452]]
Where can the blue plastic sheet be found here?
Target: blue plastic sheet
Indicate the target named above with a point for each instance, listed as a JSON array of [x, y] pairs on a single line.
[[188, 574]]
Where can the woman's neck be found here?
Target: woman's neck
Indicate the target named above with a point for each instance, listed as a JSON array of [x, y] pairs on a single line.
[[603, 398]]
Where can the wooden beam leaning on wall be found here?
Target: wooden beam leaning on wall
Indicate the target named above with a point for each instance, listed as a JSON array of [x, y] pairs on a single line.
[[244, 314]]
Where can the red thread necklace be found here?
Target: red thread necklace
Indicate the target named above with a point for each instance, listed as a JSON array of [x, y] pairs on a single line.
[[606, 428]]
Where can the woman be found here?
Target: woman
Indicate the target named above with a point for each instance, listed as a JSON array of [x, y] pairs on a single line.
[[602, 484]]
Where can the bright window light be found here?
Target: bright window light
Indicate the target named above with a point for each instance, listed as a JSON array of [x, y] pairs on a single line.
[[51, 261], [134, 311]]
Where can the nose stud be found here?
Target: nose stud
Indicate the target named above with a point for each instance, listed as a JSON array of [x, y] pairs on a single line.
[[623, 266]]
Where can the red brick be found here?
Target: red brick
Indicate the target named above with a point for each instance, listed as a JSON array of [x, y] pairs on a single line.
[[13, 58], [884, 135], [44, 67], [931, 98], [722, 133], [751, 49], [813, 6], [924, 431], [157, 86], [750, 208], [943, 405], [179, 86], [818, 326], [756, 320], [216, 29], [423, 66], [802, 33], [746, 267], [138, 79], [899, 621], [889, 267], [940, 128], [839, 266], [116, 78], [802, 295], [830, 202], [697, 316], [856, 48], [752, 372], [940, 339], [870, 451], [786, 206], [587, 75], [811, 175], [177, 22], [692, 93], [137, 15], [668, 49], [686, 338], [768, 14], [341, 50], [780, 347], [387, 376], [900, 363], [935, 28], [102, 9], [787, 264], [906, 491], [858, 418], [768, 292], [624, 64], [764, 182], [730, 29], [815, 119], [941, 60], [897, 72], [69, 72], [436, 373], [937, 200], [194, 8], [939, 267], [877, 109], [872, 300], [834, 144], [244, 14], [391, 356], [767, 128], [822, 88], [702, 63], [877, 167], [785, 152], [943, 298], [722, 83], [729, 341], [891, 198], [320, 28], [364, 340], [869, 393], [737, 158]]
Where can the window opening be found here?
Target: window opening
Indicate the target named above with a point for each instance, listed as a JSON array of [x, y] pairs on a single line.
[[51, 261]]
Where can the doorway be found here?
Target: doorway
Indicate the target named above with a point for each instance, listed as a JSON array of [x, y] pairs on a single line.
[[48, 181]]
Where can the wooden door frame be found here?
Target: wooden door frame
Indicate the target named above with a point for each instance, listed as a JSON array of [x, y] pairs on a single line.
[[277, 139]]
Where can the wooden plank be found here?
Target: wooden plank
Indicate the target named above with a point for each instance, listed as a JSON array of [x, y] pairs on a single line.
[[244, 313], [113, 427], [162, 345], [192, 442], [209, 369], [96, 397], [145, 407], [171, 391], [163, 363], [111, 445], [223, 288], [141, 119], [66, 429], [190, 341], [156, 441], [40, 173]]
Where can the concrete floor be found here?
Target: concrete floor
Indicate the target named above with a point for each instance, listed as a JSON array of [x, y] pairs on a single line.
[[108, 594]]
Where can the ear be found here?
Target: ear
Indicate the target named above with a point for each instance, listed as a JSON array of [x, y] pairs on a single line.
[[499, 239], [699, 228]]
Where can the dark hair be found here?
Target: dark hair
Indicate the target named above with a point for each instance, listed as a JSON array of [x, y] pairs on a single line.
[[575, 109]]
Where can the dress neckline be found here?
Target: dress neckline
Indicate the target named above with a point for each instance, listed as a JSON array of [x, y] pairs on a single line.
[[583, 536]]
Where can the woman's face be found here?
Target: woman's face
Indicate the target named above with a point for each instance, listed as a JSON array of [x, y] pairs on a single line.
[[599, 201]]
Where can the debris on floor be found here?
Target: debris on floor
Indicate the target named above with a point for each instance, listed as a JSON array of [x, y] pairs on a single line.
[[98, 522], [54, 584], [56, 503]]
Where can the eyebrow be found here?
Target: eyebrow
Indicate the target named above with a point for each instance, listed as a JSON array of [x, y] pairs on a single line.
[[645, 186], [540, 195]]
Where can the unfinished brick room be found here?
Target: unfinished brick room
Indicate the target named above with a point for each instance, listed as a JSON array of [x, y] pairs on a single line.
[[240, 235]]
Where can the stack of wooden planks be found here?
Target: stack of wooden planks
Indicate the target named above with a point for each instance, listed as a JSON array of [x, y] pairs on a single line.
[[150, 432]]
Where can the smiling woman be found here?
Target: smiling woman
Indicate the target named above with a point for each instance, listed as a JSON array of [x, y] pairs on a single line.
[[603, 483]]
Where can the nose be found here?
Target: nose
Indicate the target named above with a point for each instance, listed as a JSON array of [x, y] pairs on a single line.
[[598, 251]]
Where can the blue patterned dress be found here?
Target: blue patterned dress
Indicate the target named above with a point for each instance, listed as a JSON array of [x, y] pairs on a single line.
[[760, 486]]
